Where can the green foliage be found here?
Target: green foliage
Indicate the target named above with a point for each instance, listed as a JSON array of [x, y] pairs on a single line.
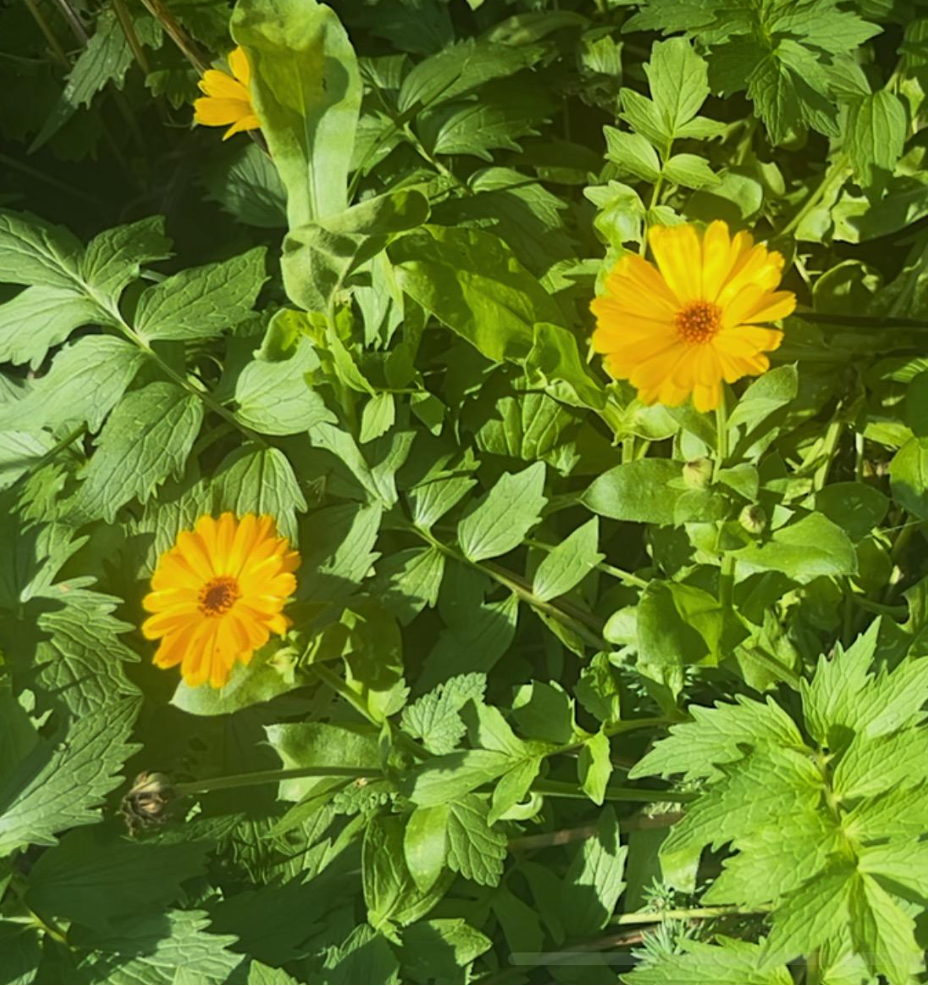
[[566, 674]]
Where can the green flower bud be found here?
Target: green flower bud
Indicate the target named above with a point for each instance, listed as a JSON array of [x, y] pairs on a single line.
[[753, 519], [697, 473]]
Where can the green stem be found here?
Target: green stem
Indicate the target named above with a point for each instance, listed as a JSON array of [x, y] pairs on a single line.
[[721, 435], [617, 573], [894, 612], [834, 174], [576, 620], [565, 789], [687, 914], [46, 29], [256, 777]]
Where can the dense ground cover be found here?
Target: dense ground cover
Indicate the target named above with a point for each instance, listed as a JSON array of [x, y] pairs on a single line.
[[467, 526]]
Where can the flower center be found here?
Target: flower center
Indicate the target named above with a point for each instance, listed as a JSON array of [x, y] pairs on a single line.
[[698, 322], [218, 595]]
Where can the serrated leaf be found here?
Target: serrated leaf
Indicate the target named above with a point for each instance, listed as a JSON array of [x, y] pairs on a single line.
[[727, 962], [55, 788], [690, 171], [41, 317], [595, 878], [501, 520], [84, 384], [717, 736], [114, 258], [633, 154], [201, 302], [162, 949], [146, 440], [33, 251], [876, 132], [434, 718], [92, 878], [260, 480], [476, 849]]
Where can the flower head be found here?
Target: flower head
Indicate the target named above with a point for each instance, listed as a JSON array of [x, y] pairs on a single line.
[[682, 327], [228, 97], [218, 595]]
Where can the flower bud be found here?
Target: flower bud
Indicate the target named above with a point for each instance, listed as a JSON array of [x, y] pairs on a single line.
[[753, 518], [697, 473], [148, 801]]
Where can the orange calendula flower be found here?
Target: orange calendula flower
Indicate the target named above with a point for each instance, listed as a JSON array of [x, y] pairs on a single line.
[[682, 327], [218, 595], [228, 97]]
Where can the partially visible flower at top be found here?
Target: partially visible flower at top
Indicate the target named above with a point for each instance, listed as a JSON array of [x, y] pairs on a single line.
[[228, 97], [218, 595], [694, 320]]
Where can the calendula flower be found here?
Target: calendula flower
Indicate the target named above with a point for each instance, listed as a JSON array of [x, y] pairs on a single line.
[[228, 97], [218, 595], [697, 318]]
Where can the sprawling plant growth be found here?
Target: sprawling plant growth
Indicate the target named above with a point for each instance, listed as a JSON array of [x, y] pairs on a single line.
[[462, 476]]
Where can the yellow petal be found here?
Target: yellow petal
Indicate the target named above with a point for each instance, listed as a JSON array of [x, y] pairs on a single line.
[[678, 253], [219, 112], [222, 86], [238, 62], [249, 122]]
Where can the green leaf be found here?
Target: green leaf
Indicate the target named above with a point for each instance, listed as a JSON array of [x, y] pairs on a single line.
[[35, 252], [803, 550], [459, 68], [260, 480], [84, 384], [454, 775], [275, 397], [816, 912], [471, 281], [260, 974], [56, 788], [594, 767], [390, 893], [679, 624], [908, 473], [375, 468], [146, 439], [502, 518], [20, 953], [424, 843], [321, 744], [555, 357], [269, 673], [378, 417], [307, 92], [434, 718], [476, 849], [319, 257], [594, 881], [883, 932], [409, 580], [636, 491], [41, 317], [717, 736], [729, 962], [92, 878], [160, 950], [437, 950], [337, 550], [689, 171], [114, 258], [201, 302], [876, 132], [855, 507], [633, 154], [245, 183], [677, 77]]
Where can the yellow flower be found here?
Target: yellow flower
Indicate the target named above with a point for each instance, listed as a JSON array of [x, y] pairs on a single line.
[[228, 98], [694, 320], [217, 596]]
